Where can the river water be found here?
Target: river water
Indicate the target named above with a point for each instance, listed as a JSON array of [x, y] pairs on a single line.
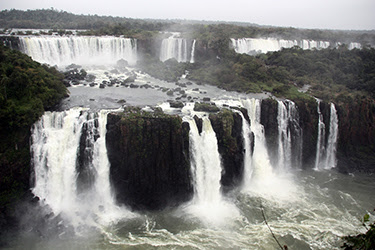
[[304, 208]]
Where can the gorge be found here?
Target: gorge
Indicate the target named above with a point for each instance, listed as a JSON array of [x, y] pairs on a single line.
[[106, 174]]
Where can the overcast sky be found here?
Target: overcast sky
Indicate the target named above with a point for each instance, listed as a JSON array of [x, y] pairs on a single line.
[[324, 14]]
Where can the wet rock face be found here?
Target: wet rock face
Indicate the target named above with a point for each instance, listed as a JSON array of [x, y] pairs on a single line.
[[228, 128], [356, 142], [268, 118], [149, 159], [12, 42], [308, 122]]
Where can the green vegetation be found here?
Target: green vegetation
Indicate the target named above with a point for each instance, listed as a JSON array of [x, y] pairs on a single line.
[[205, 107], [169, 71], [339, 75], [364, 241], [27, 89], [59, 20], [332, 73]]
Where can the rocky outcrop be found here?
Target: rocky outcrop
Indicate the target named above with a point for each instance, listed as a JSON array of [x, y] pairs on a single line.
[[85, 155], [148, 153], [12, 42], [356, 143], [268, 118], [308, 117], [308, 120], [228, 128]]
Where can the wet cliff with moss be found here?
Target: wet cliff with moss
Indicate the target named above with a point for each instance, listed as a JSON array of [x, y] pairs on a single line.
[[149, 157]]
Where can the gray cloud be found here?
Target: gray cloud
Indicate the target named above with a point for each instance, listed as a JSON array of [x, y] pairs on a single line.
[[326, 14]]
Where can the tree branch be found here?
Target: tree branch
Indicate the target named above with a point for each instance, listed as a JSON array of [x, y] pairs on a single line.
[[273, 235]]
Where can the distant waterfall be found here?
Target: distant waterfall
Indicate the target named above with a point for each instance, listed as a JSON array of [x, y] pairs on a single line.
[[205, 163], [264, 45], [63, 51], [354, 46], [326, 149], [177, 48], [192, 56], [174, 48], [57, 139], [289, 134]]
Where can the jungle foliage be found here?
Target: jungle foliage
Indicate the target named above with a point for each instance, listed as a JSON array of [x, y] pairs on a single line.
[[365, 241], [27, 89]]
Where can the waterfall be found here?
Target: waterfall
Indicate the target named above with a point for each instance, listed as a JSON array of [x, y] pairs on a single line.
[[284, 137], [264, 182], [174, 48], [192, 56], [261, 166], [57, 139], [332, 138], [354, 45], [63, 51], [289, 136], [264, 45], [208, 203], [246, 133], [326, 149], [320, 141], [205, 163]]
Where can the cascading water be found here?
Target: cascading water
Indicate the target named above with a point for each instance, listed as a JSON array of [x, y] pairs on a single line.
[[289, 136], [284, 137], [262, 45], [208, 203], [63, 51], [205, 163], [56, 141], [192, 56], [320, 145], [326, 149], [332, 138], [263, 180], [261, 168], [261, 164], [174, 48], [314, 210], [246, 133]]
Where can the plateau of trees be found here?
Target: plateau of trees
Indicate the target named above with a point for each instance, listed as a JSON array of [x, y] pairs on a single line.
[[339, 74], [27, 89]]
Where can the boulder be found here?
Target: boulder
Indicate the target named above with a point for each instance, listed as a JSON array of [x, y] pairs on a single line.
[[205, 107], [130, 79], [176, 104]]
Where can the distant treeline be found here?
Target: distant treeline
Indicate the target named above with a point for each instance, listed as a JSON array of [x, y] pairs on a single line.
[[105, 25], [339, 74]]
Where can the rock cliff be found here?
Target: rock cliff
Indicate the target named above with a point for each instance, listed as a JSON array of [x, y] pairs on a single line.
[[356, 144], [228, 128], [148, 153]]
